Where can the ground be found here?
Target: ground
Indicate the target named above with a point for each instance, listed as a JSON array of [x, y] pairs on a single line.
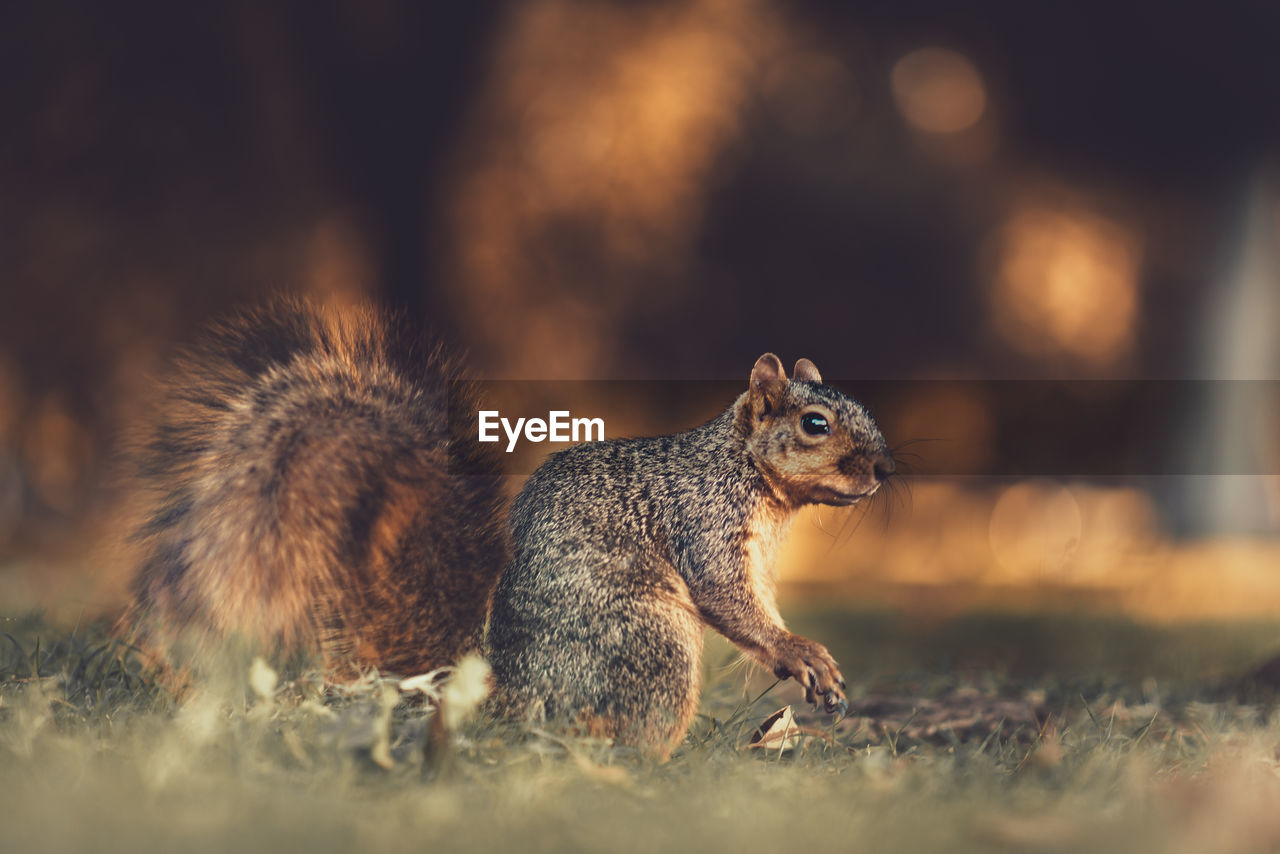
[[982, 733]]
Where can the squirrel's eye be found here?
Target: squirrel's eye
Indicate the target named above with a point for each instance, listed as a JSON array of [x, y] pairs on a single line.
[[814, 424]]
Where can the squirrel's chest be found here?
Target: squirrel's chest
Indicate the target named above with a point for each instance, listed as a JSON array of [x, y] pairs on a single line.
[[763, 533]]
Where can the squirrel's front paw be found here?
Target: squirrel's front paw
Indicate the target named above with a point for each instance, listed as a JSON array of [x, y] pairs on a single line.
[[810, 664]]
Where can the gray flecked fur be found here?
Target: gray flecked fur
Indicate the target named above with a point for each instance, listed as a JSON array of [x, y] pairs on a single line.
[[625, 550]]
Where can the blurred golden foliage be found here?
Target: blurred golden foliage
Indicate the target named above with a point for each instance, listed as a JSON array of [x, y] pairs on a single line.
[[577, 199], [1038, 544], [608, 115]]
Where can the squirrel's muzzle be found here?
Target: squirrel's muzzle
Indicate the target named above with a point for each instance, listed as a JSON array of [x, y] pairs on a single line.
[[882, 467]]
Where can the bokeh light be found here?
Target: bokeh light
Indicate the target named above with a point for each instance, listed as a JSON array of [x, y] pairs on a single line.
[[939, 91], [1065, 282], [1035, 530]]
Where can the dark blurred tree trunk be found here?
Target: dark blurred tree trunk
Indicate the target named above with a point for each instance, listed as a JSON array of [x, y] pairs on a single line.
[[389, 84]]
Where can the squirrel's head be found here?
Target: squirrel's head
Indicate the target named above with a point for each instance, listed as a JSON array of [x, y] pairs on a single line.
[[813, 444]]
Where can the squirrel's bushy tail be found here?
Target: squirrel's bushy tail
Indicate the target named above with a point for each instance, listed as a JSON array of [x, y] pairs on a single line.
[[307, 484]]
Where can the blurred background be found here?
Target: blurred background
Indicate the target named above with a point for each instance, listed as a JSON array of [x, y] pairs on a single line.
[[591, 190]]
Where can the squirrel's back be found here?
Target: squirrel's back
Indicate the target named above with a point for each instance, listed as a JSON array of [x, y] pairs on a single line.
[[302, 485]]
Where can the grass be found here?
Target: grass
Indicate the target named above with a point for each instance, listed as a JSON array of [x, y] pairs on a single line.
[[978, 734]]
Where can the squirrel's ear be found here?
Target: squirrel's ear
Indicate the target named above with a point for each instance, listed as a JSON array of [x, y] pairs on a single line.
[[768, 382], [806, 370]]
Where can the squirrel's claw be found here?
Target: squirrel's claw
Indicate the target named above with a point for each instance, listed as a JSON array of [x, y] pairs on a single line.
[[833, 704], [813, 668]]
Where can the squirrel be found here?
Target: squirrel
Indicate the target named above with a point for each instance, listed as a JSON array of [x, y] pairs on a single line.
[[311, 482], [624, 550]]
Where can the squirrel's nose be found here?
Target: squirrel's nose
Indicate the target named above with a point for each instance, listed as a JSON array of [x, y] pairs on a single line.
[[883, 467]]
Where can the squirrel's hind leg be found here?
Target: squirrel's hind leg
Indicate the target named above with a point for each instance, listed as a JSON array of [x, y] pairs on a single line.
[[626, 666]]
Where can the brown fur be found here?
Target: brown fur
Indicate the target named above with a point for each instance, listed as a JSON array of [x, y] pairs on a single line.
[[296, 492]]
